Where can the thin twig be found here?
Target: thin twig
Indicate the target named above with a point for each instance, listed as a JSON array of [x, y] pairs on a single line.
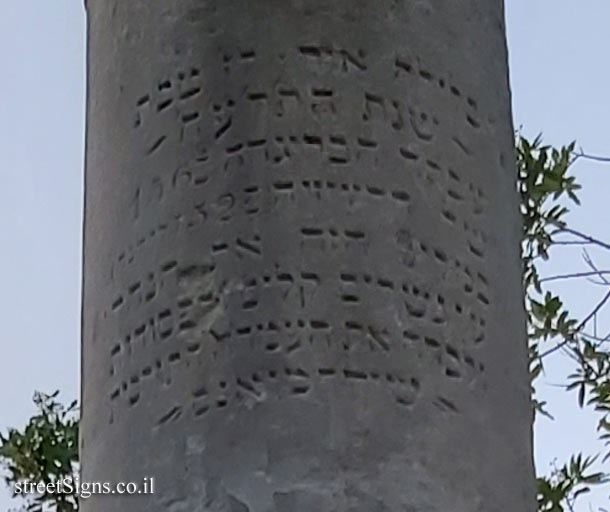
[[596, 310], [586, 156], [574, 276], [589, 261], [571, 242], [598, 339], [583, 236]]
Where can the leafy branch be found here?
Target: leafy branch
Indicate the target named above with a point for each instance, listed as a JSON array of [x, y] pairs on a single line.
[[45, 451], [545, 186]]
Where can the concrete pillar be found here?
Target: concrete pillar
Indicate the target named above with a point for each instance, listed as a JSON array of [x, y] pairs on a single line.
[[302, 286]]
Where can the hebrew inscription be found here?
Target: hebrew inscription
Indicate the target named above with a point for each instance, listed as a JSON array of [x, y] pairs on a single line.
[[293, 262], [195, 309]]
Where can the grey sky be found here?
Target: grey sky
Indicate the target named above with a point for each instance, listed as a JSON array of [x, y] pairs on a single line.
[[560, 78]]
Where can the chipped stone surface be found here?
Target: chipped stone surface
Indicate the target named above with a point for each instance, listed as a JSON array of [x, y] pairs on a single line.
[[301, 279]]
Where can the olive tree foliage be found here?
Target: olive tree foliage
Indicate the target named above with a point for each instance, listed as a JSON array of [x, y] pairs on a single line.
[[546, 189], [46, 449]]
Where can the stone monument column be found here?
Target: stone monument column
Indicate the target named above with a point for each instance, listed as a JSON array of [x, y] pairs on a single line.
[[302, 287]]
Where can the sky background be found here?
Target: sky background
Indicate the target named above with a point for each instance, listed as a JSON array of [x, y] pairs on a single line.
[[560, 81]]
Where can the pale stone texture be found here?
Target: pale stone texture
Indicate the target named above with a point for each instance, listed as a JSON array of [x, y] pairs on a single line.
[[301, 271]]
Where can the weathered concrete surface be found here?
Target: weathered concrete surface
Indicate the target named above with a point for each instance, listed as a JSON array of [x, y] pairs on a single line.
[[302, 286]]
